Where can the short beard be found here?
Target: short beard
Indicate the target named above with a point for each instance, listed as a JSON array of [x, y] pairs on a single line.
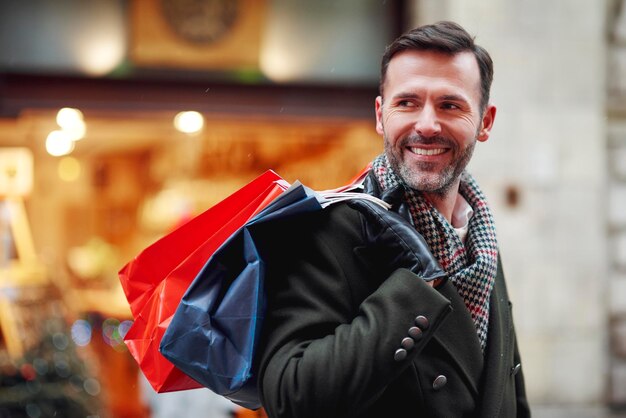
[[439, 184]]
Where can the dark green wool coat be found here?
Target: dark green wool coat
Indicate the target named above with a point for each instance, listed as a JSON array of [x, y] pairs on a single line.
[[335, 318]]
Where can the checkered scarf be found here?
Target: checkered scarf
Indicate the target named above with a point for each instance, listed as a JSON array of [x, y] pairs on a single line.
[[472, 266]]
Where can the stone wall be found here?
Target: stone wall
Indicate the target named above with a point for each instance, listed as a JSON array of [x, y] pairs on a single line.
[[544, 170], [617, 201]]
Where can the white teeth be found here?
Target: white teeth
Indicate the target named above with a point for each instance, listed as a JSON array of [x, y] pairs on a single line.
[[422, 151]]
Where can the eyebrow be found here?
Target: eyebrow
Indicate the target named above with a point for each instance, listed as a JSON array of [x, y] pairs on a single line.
[[451, 97], [405, 96], [454, 98]]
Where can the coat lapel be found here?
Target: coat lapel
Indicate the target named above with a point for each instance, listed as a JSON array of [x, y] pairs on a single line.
[[499, 350], [457, 335]]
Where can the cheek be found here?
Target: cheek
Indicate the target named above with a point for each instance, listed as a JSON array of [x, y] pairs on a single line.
[[396, 122], [394, 115], [469, 123], [463, 129]]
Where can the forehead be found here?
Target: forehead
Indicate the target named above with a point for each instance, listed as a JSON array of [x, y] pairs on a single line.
[[431, 69]]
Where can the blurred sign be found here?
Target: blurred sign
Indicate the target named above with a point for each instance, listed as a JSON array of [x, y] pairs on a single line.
[[16, 172], [197, 34]]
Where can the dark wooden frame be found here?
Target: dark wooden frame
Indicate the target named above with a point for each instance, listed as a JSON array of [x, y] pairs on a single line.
[[189, 90], [27, 91]]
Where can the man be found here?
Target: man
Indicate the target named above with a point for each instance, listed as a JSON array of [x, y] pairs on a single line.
[[362, 320]]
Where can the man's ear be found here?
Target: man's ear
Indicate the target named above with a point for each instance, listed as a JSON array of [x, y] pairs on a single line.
[[379, 115], [486, 123]]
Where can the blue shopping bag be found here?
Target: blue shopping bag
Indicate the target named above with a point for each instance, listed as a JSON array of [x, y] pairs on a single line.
[[214, 332]]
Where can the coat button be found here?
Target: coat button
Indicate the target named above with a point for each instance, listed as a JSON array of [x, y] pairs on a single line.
[[407, 343], [439, 382], [421, 322], [400, 354], [515, 369], [415, 333]]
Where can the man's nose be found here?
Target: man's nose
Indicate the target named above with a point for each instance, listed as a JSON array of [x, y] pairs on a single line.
[[427, 122]]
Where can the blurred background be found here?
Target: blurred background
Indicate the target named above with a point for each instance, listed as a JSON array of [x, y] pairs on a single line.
[[121, 119]]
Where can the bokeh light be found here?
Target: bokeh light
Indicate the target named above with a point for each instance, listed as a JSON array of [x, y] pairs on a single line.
[[41, 366], [189, 122], [69, 169], [81, 332], [113, 333], [101, 50], [71, 122], [33, 410], [67, 117], [60, 341], [59, 143], [125, 327], [62, 365], [92, 386]]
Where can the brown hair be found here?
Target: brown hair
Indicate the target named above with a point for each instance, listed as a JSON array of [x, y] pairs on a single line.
[[447, 38]]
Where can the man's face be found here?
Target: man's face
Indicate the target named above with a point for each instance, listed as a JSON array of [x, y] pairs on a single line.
[[430, 117]]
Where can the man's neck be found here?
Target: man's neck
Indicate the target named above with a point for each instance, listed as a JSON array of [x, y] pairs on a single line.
[[444, 203]]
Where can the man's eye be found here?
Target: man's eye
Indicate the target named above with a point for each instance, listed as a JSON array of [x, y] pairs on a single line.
[[405, 103], [448, 105]]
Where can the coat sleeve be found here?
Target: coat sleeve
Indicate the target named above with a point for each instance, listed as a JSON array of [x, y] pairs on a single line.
[[334, 322]]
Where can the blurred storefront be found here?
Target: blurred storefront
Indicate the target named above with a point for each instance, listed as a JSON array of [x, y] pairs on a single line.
[[119, 121]]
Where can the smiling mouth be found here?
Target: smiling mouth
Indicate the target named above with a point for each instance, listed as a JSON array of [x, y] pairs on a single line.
[[424, 151]]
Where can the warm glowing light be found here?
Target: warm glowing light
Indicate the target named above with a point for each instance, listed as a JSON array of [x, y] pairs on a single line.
[[69, 169], [279, 65], [59, 143], [77, 131], [71, 121], [100, 53], [67, 116], [189, 122]]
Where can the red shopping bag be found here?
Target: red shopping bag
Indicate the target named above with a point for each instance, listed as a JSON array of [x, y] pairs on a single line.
[[155, 281]]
